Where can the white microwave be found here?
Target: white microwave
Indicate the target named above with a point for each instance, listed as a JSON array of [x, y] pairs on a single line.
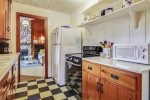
[[138, 53]]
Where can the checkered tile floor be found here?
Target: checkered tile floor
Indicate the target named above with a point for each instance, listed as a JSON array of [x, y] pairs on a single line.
[[45, 89]]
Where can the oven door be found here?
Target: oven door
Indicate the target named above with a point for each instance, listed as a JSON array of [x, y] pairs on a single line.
[[74, 75]]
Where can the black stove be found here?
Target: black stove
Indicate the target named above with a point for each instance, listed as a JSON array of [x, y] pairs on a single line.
[[74, 65], [75, 59], [88, 51]]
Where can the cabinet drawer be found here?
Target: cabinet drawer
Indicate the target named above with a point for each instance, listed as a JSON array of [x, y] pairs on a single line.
[[91, 68], [4, 83], [124, 78]]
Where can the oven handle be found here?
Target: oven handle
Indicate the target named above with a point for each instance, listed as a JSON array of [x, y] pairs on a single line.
[[73, 63]]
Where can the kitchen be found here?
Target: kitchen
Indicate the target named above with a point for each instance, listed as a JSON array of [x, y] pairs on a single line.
[[127, 25]]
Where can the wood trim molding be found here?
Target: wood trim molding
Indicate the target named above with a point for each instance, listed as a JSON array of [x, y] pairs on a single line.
[[18, 15], [46, 50], [31, 16]]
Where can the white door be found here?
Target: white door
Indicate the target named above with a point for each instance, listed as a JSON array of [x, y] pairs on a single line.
[[56, 36], [56, 62]]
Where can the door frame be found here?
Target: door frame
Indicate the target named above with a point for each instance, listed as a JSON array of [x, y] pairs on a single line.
[[18, 15]]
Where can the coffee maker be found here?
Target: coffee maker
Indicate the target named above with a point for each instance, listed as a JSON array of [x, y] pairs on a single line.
[[4, 48]]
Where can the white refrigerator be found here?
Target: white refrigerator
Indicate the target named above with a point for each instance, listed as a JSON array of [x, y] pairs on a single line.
[[64, 41]]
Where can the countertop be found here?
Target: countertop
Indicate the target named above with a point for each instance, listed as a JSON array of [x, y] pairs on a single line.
[[6, 62], [128, 66]]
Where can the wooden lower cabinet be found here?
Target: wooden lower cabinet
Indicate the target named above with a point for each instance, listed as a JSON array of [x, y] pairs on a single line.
[[93, 87], [4, 84], [111, 91], [112, 84], [90, 87], [124, 94], [108, 90], [84, 85], [7, 84]]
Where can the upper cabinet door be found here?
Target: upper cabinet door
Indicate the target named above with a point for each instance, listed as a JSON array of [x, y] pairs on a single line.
[[2, 19], [5, 11], [7, 19]]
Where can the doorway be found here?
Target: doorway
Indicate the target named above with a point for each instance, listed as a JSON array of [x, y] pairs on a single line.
[[32, 44]]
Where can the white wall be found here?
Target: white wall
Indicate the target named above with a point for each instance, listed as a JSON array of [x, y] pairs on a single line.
[[28, 71], [54, 19], [76, 16], [120, 30]]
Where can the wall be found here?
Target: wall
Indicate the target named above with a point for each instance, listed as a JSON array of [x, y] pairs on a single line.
[[28, 71], [54, 19], [76, 16], [120, 30]]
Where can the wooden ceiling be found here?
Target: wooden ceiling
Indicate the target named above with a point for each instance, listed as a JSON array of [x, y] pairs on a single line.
[[64, 6]]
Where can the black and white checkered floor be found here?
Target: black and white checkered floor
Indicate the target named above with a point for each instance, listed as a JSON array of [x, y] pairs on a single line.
[[45, 89]]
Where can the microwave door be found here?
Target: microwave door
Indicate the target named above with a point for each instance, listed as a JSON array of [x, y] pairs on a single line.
[[126, 52]]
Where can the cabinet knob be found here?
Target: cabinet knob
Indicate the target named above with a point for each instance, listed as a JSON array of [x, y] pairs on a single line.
[[8, 29], [89, 67]]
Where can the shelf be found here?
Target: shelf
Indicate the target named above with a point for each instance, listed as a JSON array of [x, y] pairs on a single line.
[[135, 8], [100, 4]]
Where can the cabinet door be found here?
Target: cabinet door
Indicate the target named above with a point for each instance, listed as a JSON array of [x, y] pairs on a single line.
[[4, 85], [124, 94], [93, 87], [108, 90], [84, 85], [2, 22], [6, 17], [9, 20], [5, 6]]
